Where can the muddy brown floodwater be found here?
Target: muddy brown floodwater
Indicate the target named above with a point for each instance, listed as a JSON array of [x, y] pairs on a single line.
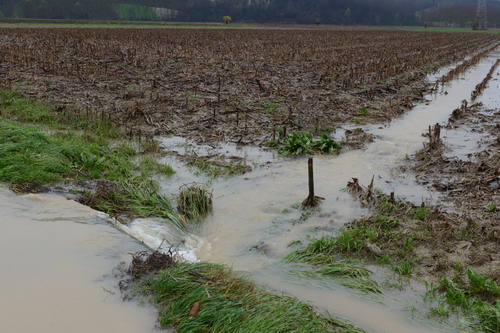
[[56, 261]]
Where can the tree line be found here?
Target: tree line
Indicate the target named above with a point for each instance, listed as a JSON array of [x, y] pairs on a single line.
[[345, 12]]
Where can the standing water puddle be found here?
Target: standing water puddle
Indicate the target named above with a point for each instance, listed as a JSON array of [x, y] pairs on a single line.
[[56, 258]]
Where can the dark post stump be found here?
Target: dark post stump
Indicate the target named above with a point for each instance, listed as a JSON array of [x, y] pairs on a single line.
[[311, 200]]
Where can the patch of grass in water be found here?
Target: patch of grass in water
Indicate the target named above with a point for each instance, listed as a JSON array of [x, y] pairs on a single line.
[[194, 202], [202, 297], [149, 165], [476, 299], [322, 255], [347, 275]]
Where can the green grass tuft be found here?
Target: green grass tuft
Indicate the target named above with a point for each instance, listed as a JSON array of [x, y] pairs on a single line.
[[28, 155], [421, 213], [194, 202], [483, 315], [228, 303]]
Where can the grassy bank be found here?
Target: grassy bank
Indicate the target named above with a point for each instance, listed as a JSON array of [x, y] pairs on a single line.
[[202, 297], [41, 147]]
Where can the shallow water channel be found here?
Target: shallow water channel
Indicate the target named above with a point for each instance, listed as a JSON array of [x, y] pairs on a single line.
[[57, 257], [256, 209]]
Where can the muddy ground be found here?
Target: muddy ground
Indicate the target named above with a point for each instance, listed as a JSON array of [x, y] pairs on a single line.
[[470, 223], [245, 86]]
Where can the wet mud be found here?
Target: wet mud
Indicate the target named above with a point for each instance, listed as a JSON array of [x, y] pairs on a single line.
[[469, 185], [188, 82], [255, 217]]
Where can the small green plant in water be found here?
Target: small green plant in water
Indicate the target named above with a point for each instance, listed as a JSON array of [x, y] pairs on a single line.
[[492, 207], [302, 143]]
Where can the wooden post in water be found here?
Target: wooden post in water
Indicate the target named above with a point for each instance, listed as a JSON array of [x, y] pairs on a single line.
[[311, 200], [310, 169]]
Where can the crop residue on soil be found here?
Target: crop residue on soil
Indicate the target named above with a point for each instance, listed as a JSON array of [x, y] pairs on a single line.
[[244, 86]]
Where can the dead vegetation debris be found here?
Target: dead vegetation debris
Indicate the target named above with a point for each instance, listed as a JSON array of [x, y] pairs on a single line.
[[356, 138], [28, 187], [146, 262]]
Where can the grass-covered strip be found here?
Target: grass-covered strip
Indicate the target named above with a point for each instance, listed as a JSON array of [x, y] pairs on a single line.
[[412, 241], [40, 146], [19, 109], [202, 297], [473, 294]]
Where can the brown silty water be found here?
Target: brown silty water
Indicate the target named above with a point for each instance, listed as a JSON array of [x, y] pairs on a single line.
[[57, 258]]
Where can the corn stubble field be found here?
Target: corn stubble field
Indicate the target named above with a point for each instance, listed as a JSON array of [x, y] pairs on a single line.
[[245, 86], [253, 87]]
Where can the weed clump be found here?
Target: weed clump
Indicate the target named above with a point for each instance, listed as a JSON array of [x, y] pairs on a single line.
[[302, 143], [194, 202], [297, 143]]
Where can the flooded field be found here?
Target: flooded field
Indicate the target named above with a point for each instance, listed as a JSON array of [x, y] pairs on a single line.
[[255, 216], [65, 248]]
